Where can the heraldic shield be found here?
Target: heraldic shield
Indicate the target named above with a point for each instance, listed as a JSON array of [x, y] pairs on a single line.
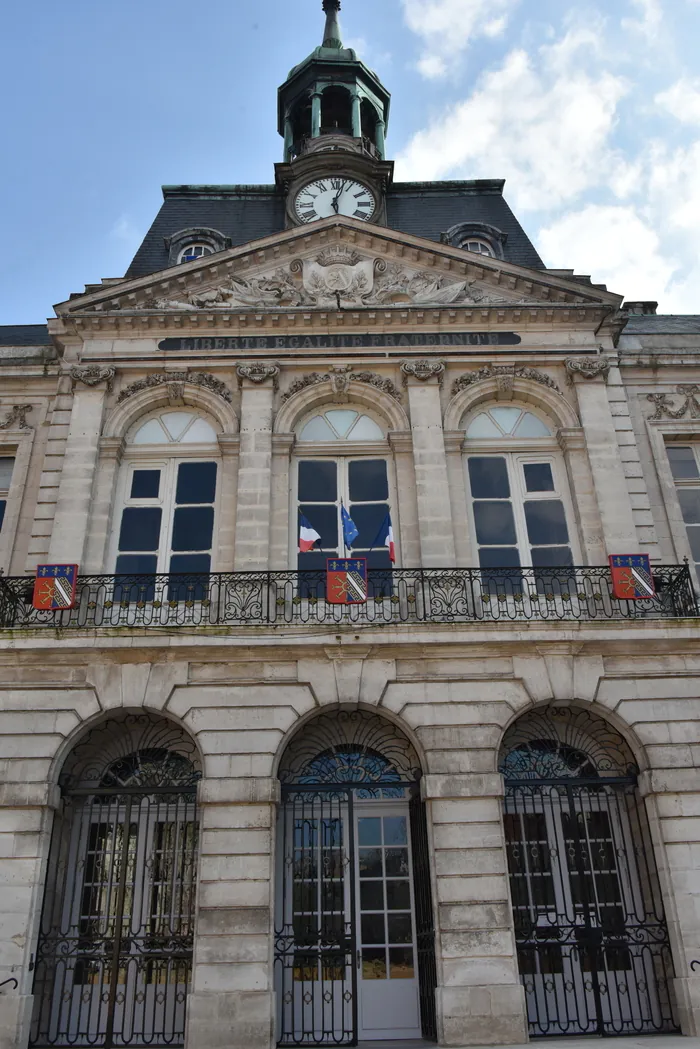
[[346, 580]]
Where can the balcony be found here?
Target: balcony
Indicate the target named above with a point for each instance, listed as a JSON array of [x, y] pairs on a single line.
[[405, 595]]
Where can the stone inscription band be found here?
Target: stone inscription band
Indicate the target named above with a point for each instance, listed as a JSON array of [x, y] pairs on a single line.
[[343, 342]]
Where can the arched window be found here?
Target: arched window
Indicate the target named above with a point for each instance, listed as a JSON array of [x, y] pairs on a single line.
[[480, 247], [520, 506], [194, 251], [342, 461], [336, 111], [167, 496]]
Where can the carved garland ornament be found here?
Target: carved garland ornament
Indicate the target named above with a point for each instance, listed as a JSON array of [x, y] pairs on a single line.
[[93, 375], [340, 377], [422, 370], [258, 373], [16, 420], [663, 405], [505, 374], [203, 379], [587, 367]]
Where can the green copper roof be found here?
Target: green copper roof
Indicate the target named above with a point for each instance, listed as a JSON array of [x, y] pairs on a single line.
[[331, 35]]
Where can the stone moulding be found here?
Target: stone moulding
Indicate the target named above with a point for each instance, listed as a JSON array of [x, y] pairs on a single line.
[[208, 382], [258, 373], [505, 375], [587, 367], [93, 375], [422, 370], [340, 378], [16, 419], [664, 407]]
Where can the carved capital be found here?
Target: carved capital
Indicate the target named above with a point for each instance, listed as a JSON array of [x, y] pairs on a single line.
[[93, 375], [258, 373], [587, 368], [422, 370], [16, 419]]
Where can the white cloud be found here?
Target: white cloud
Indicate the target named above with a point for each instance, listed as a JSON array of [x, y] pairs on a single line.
[[543, 123], [447, 27], [682, 100], [649, 20], [613, 245]]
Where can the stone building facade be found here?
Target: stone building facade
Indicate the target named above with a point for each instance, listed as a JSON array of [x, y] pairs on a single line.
[[236, 813]]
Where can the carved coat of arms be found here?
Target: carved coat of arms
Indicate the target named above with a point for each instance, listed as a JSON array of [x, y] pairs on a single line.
[[337, 275]]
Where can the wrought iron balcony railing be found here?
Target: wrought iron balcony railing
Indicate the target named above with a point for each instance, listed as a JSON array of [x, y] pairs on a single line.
[[404, 595]]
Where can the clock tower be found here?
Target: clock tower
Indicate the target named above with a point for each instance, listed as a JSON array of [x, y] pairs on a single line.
[[333, 113]]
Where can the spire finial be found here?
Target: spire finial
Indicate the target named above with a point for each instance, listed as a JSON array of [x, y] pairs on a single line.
[[331, 35]]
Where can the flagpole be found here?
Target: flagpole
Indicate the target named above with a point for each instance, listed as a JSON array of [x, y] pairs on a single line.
[[342, 529]]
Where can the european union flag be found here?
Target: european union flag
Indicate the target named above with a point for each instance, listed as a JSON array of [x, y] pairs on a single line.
[[350, 532]]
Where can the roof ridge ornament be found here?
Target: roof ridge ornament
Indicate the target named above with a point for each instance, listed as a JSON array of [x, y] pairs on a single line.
[[331, 34]]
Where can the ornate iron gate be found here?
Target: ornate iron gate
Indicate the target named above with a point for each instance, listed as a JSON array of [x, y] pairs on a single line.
[[592, 940], [114, 954]]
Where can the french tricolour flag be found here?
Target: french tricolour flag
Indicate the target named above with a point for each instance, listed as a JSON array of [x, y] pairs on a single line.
[[307, 535], [385, 537]]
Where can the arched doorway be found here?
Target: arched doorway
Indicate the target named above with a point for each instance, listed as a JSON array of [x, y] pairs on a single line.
[[114, 954], [592, 940], [354, 936]]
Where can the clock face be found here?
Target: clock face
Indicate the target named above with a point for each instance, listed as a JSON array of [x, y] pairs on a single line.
[[334, 196]]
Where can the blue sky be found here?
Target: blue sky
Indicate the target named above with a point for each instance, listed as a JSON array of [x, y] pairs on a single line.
[[590, 110]]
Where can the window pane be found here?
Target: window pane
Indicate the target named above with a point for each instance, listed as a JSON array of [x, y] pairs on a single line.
[[689, 499], [368, 520], [398, 896], [552, 556], [145, 484], [694, 540], [6, 466], [200, 431], [683, 462], [368, 481], [317, 429], [399, 928], [318, 481], [506, 417], [325, 521], [3, 504], [140, 528], [401, 963], [494, 523], [366, 429], [546, 523], [538, 477], [341, 420], [175, 423], [151, 433], [314, 561], [193, 528], [499, 557], [483, 426], [531, 426], [373, 928], [374, 963], [488, 477], [378, 558], [372, 895], [190, 563], [196, 483], [136, 564]]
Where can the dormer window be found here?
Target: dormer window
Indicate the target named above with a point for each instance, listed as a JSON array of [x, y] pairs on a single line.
[[481, 247], [478, 237], [194, 251]]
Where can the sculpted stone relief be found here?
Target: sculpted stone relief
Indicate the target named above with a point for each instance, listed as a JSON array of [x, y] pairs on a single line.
[[337, 278], [505, 375], [174, 380], [16, 419], [340, 377], [664, 406]]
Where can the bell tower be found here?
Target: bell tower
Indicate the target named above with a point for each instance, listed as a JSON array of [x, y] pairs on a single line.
[[333, 114]]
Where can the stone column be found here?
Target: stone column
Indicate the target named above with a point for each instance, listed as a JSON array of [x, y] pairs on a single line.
[[380, 143], [614, 503], [316, 114], [454, 444], [102, 520], [356, 117], [479, 997], [280, 525], [231, 1004], [229, 445], [435, 530], [259, 382], [75, 496], [572, 442], [288, 137], [407, 534]]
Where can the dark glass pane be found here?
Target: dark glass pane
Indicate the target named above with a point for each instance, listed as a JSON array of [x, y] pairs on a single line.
[[683, 462], [140, 528], [324, 519], [374, 963], [552, 556], [538, 477], [494, 523], [693, 539], [193, 528], [196, 483], [401, 963], [3, 504], [398, 896], [145, 484], [368, 480], [372, 895], [378, 558], [369, 830], [189, 590], [318, 481], [312, 562], [397, 863], [368, 520], [689, 499], [136, 564], [373, 928], [395, 832], [190, 563], [399, 926], [546, 522], [370, 863], [7, 464], [499, 557], [488, 476]]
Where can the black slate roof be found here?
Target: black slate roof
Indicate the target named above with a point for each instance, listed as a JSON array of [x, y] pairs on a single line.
[[660, 324], [248, 213], [24, 335]]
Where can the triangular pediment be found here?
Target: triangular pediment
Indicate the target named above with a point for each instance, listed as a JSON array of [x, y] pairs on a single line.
[[339, 264]]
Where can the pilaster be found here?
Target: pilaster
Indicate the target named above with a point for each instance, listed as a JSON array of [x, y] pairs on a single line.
[[454, 447], [409, 546], [572, 442], [282, 446], [229, 446], [254, 470]]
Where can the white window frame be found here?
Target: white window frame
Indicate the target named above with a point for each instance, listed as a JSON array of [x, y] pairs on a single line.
[[663, 432], [483, 243], [15, 444], [195, 244]]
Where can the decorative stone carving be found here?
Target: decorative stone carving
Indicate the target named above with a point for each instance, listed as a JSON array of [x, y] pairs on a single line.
[[93, 375], [340, 381], [664, 406], [258, 373], [587, 367], [16, 419], [505, 375], [422, 370], [171, 378]]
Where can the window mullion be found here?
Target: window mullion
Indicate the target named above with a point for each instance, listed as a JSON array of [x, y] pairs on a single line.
[[518, 495], [166, 531]]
